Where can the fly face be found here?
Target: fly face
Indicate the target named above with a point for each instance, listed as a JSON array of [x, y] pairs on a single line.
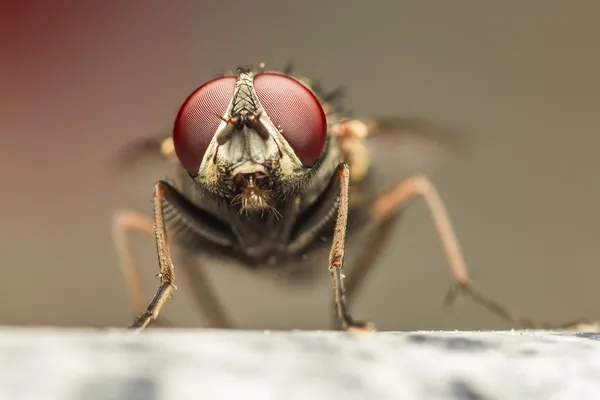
[[255, 139]]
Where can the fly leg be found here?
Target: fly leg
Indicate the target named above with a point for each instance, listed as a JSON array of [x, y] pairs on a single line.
[[167, 269], [336, 256], [207, 302], [125, 222], [383, 212], [387, 206], [205, 296], [382, 218], [367, 259]]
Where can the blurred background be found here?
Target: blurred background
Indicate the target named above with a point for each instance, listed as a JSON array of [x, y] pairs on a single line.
[[82, 79]]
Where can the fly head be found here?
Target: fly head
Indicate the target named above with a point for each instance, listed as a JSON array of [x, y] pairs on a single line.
[[255, 139]]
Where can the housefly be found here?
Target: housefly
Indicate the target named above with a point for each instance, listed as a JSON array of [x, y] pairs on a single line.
[[273, 174]]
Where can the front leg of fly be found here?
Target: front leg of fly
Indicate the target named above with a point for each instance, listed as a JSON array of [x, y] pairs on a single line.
[[336, 257], [167, 270]]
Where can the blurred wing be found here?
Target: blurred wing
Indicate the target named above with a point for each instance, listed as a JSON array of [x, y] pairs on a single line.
[[403, 146], [155, 149], [141, 162], [414, 144]]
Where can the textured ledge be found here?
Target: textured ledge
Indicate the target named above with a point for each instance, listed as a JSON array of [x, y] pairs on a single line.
[[53, 364]]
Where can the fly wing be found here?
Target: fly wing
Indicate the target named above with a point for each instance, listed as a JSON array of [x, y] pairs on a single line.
[[154, 149], [141, 162], [400, 147]]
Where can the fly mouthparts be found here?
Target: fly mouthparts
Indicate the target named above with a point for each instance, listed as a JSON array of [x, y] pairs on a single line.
[[250, 168], [253, 196]]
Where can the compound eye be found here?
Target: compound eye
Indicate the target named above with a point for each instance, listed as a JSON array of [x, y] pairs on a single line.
[[198, 120], [294, 108]]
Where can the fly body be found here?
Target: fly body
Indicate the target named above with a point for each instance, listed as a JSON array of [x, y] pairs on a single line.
[[271, 169]]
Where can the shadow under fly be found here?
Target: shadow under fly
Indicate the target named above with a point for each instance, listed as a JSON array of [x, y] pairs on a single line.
[[270, 169]]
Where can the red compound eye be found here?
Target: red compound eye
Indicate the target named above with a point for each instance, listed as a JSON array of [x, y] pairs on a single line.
[[198, 120], [293, 107]]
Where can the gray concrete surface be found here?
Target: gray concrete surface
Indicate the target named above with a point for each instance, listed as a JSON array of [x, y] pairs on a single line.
[[53, 364]]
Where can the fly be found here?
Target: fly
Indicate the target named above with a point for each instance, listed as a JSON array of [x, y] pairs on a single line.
[[265, 162]]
